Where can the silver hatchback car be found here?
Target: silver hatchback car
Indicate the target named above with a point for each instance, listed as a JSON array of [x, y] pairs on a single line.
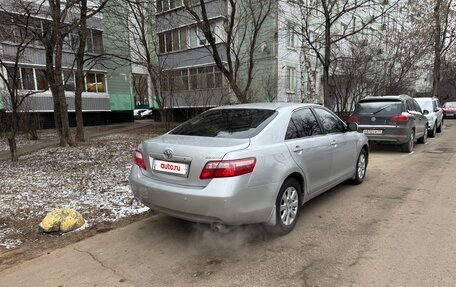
[[252, 163]]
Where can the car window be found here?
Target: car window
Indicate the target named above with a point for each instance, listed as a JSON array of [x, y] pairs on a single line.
[[227, 123], [417, 107], [410, 105], [437, 104], [381, 108], [302, 124], [330, 123], [449, 105], [426, 105]]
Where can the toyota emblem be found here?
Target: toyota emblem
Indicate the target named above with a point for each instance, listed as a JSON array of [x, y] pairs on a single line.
[[168, 154]]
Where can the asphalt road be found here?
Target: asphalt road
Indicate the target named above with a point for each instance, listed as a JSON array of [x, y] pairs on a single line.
[[397, 228]]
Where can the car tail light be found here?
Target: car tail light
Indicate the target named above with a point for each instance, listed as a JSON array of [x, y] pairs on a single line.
[[352, 119], [402, 118], [139, 159], [227, 168]]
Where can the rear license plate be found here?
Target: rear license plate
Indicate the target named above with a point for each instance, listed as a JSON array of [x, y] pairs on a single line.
[[373, 132], [170, 167], [450, 115]]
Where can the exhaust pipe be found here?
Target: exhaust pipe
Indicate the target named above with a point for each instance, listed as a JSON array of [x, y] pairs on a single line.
[[219, 227]]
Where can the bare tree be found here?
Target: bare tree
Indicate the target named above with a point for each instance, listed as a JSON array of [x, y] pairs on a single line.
[[243, 25], [16, 96], [340, 20], [435, 21], [140, 37]]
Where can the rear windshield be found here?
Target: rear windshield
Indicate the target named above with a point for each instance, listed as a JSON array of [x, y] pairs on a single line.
[[381, 108], [426, 105], [449, 105], [227, 123]]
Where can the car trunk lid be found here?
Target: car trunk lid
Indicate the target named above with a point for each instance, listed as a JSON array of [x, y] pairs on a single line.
[[179, 159], [378, 112]]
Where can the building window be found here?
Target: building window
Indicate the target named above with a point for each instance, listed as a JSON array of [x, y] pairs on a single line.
[[290, 80], [28, 79], [165, 5], [97, 41], [41, 79], [95, 83], [175, 40], [291, 36], [192, 79]]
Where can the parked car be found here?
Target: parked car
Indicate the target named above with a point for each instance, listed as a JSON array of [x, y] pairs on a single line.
[[137, 113], [449, 110], [391, 119], [252, 163], [147, 114], [434, 114]]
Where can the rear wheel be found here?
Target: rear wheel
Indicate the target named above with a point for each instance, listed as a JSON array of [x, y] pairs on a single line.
[[288, 206], [433, 131], [424, 138], [361, 167], [408, 146]]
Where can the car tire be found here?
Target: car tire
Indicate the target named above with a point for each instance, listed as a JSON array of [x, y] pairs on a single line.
[[439, 128], [424, 138], [361, 168], [288, 207], [408, 146], [433, 131]]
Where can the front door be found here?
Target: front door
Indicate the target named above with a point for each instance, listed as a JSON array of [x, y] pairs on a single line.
[[310, 149]]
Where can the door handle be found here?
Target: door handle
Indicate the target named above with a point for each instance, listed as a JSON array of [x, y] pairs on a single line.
[[333, 142], [298, 149]]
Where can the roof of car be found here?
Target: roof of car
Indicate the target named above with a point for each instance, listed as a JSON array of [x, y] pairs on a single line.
[[426, 98], [267, 106], [389, 97]]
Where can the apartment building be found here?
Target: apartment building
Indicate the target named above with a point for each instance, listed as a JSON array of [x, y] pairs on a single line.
[[107, 97], [191, 78]]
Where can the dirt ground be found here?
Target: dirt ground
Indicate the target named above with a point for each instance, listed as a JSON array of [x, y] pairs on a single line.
[[91, 178]]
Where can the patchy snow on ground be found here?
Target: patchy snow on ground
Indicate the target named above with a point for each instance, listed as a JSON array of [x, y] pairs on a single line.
[[22, 139], [91, 178]]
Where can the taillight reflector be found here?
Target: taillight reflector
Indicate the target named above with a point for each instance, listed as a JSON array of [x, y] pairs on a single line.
[[402, 118], [227, 168], [352, 119], [138, 159]]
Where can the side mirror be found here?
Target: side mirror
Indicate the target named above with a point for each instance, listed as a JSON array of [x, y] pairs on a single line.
[[353, 127], [425, 112]]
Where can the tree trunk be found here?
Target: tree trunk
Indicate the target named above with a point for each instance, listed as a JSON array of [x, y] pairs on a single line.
[[65, 125], [12, 134], [327, 59], [80, 72], [437, 49]]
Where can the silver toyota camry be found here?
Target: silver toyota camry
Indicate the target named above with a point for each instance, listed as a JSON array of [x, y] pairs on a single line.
[[252, 163]]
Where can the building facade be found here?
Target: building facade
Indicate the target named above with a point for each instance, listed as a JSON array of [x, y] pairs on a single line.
[[107, 96]]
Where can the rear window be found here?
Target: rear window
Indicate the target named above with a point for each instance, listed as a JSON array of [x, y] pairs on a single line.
[[385, 108], [449, 105], [426, 105], [227, 123]]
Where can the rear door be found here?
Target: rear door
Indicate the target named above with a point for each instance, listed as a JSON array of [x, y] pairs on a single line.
[[420, 119], [343, 145], [310, 149]]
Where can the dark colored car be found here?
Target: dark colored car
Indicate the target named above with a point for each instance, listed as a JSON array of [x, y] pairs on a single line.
[[391, 119], [449, 110]]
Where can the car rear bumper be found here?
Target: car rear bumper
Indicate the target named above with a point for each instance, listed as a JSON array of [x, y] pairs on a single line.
[[229, 200], [390, 134]]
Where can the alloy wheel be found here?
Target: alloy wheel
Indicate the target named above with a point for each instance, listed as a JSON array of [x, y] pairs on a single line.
[[289, 205]]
